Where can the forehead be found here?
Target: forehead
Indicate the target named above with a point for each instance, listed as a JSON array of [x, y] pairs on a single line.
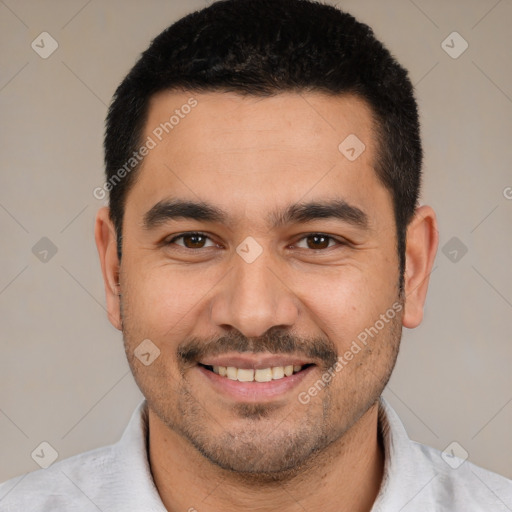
[[247, 151], [229, 119]]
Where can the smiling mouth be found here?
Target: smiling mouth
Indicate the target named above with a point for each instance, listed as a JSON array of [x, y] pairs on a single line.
[[256, 375]]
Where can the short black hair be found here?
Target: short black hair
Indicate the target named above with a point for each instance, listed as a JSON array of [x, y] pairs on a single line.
[[262, 48]]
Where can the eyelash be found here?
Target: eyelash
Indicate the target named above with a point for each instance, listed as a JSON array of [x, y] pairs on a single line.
[[198, 233]]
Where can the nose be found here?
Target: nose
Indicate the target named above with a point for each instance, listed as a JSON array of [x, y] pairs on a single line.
[[253, 298]]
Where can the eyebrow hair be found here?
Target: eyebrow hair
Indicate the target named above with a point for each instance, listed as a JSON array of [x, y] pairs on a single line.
[[166, 210], [305, 212], [176, 209]]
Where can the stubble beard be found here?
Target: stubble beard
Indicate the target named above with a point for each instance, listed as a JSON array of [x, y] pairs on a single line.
[[267, 444]]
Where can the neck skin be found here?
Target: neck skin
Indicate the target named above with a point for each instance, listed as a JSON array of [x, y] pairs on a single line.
[[345, 476]]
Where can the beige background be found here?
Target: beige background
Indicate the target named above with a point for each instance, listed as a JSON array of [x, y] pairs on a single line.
[[63, 374]]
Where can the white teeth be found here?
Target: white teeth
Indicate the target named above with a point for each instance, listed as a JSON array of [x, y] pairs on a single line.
[[277, 372], [263, 375], [245, 375], [231, 372], [260, 375]]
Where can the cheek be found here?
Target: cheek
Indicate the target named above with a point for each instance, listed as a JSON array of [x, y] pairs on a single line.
[[345, 302], [163, 302]]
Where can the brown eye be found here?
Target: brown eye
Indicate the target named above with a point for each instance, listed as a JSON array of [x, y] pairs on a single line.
[[317, 241], [190, 240], [194, 241]]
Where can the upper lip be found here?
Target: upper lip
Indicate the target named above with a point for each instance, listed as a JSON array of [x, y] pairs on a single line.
[[254, 361]]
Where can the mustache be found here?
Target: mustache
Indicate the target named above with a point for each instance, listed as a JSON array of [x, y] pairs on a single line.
[[317, 349]]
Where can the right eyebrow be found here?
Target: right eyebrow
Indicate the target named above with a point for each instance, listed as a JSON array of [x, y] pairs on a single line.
[[166, 210]]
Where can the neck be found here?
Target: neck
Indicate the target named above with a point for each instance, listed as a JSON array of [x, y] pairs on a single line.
[[345, 476]]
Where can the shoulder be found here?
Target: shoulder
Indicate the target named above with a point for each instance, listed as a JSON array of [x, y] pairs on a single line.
[[114, 477], [458, 484], [66, 485], [420, 477]]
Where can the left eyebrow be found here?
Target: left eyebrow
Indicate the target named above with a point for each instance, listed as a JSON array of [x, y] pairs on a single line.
[[307, 212], [296, 213]]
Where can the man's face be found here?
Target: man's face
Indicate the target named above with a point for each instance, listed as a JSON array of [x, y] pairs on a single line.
[[258, 282]]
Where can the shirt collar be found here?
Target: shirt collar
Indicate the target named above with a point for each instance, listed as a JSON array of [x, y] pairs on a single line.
[[134, 473], [406, 474]]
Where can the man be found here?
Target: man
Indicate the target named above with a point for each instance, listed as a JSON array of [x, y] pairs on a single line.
[[262, 249]]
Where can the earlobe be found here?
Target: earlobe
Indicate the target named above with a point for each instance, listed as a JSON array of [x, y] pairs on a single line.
[[421, 249], [106, 243]]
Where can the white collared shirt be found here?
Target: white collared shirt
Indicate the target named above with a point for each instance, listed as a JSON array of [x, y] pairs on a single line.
[[117, 478]]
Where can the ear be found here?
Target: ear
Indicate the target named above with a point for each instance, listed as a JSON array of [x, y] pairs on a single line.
[[420, 252], [106, 242]]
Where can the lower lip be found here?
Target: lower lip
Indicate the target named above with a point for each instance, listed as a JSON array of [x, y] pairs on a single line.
[[254, 391]]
